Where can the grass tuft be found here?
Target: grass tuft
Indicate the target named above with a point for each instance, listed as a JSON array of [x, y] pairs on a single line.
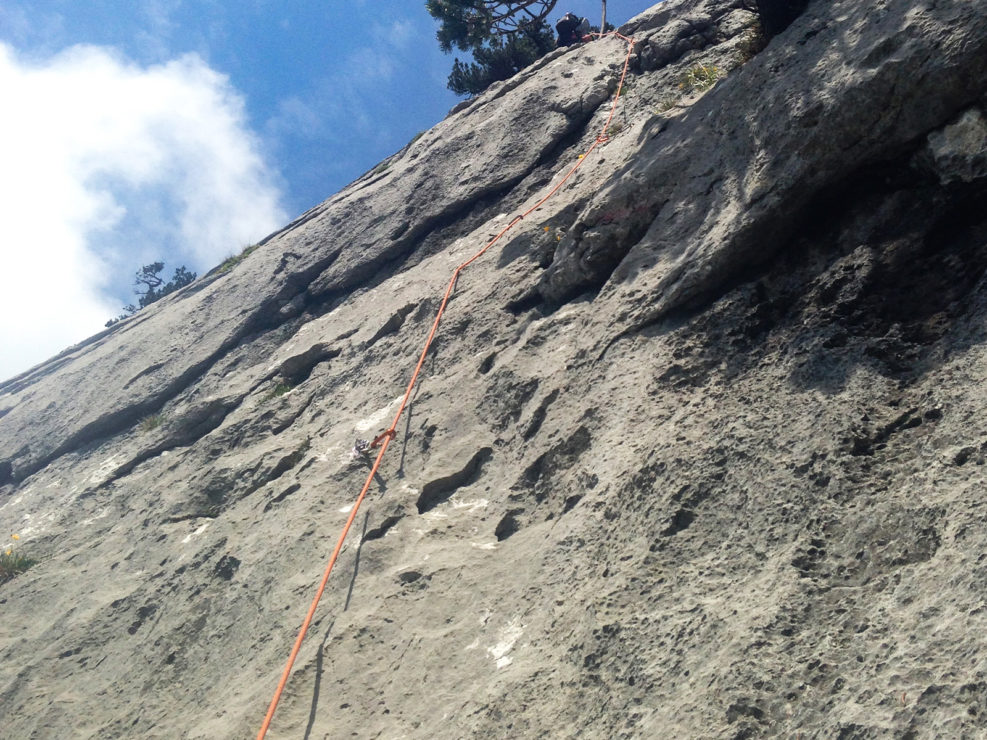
[[696, 79], [280, 388], [235, 259], [150, 423], [699, 78], [12, 562]]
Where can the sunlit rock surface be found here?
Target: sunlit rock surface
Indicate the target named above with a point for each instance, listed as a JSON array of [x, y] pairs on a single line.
[[698, 452]]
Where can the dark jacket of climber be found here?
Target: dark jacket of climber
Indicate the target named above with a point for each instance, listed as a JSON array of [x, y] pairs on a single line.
[[571, 29]]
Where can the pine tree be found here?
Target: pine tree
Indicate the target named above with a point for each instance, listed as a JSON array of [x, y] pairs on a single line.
[[149, 287], [499, 60], [504, 37]]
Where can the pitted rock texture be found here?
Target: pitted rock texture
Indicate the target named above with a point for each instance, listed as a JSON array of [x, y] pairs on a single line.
[[698, 451]]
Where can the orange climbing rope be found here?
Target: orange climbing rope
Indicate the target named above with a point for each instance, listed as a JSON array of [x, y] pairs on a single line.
[[385, 438]]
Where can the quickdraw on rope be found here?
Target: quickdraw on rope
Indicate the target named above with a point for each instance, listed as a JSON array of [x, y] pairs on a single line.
[[384, 439], [389, 434]]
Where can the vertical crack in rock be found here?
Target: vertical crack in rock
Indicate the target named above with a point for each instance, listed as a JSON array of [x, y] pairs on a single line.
[[192, 426], [538, 476], [114, 422], [383, 528], [392, 325], [440, 490], [538, 417], [294, 487], [505, 398], [508, 525], [297, 368]]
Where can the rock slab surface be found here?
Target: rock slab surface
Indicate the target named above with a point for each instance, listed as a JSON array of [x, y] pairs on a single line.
[[698, 451]]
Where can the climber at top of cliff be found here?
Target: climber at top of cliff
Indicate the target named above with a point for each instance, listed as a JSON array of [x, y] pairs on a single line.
[[571, 29]]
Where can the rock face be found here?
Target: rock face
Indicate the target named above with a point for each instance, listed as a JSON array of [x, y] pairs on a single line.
[[698, 452], [776, 15]]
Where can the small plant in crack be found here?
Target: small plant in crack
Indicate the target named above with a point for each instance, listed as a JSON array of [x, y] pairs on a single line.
[[666, 103], [699, 78], [13, 562], [150, 423], [281, 388], [235, 259]]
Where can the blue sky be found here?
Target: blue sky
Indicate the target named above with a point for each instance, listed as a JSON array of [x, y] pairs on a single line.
[[185, 130]]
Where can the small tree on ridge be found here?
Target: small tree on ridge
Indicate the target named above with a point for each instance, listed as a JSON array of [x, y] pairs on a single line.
[[504, 37], [149, 287]]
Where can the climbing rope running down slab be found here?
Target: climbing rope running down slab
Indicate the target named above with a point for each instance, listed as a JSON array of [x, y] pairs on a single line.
[[384, 439]]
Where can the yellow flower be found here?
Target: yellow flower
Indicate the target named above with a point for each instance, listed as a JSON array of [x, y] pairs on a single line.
[[15, 536], [9, 550]]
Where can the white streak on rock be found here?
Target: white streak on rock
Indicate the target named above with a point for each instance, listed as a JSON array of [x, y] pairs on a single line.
[[376, 419]]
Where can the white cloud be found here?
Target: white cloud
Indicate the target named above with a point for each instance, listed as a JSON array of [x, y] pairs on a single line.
[[397, 35], [347, 98], [107, 166]]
